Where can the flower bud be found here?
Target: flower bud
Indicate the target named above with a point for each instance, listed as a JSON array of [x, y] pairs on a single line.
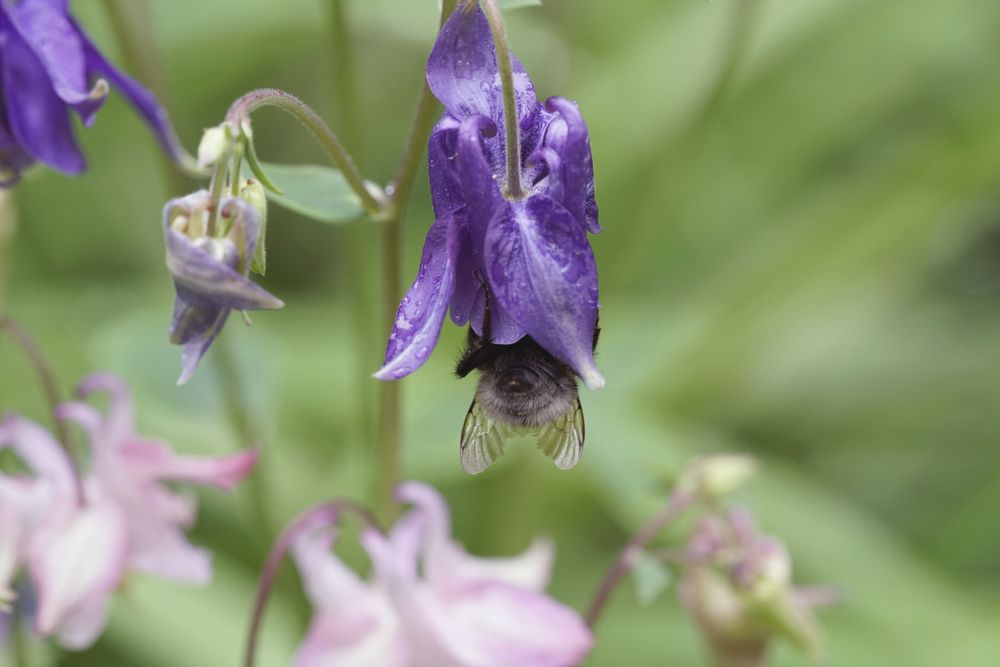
[[715, 476], [210, 263], [216, 143]]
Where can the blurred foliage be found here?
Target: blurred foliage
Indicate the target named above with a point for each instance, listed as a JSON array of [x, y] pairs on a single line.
[[801, 259]]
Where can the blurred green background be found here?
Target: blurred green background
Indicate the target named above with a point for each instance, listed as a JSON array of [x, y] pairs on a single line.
[[801, 259]]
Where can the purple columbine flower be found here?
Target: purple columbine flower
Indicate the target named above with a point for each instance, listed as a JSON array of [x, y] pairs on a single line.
[[209, 250], [528, 257], [49, 67]]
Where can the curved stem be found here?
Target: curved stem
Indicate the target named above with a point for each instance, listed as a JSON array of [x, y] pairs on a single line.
[[512, 128], [239, 116], [678, 502], [324, 514], [47, 378], [389, 453]]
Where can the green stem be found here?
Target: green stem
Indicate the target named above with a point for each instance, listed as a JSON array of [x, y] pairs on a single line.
[[357, 257], [344, 71], [18, 640], [679, 501], [388, 459], [8, 231], [246, 430], [512, 128], [239, 117]]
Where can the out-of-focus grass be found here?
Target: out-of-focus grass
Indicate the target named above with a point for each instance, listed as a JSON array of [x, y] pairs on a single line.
[[808, 273]]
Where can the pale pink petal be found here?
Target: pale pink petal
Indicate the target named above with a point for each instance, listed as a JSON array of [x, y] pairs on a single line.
[[447, 564], [155, 460], [530, 570], [361, 641], [79, 629], [38, 449], [76, 562], [120, 420], [355, 625], [498, 625]]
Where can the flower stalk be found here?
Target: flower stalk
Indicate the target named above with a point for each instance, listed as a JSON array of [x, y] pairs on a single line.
[[389, 453], [318, 516], [512, 128], [239, 119], [678, 503], [50, 387]]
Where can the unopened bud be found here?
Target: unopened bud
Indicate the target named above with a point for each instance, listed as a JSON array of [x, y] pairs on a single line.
[[216, 143], [715, 476]]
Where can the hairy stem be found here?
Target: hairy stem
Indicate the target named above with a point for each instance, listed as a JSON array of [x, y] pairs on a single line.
[[388, 457], [512, 130], [239, 117], [318, 516], [678, 502], [50, 387]]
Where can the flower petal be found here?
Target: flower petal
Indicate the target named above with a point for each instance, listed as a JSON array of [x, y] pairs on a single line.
[[76, 561], [568, 135], [542, 271], [422, 310], [38, 118], [156, 461], [47, 29], [442, 168], [39, 450], [119, 423], [462, 70], [139, 97], [498, 625], [203, 279], [354, 625]]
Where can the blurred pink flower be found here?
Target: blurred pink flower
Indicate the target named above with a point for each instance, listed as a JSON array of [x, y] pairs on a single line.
[[431, 604], [77, 553]]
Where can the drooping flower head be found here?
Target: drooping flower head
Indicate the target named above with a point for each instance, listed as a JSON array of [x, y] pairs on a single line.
[[527, 256], [49, 68], [210, 247], [431, 603], [737, 583], [77, 549]]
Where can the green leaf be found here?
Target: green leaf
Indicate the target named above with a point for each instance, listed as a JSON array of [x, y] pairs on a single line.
[[650, 577], [315, 191], [515, 4]]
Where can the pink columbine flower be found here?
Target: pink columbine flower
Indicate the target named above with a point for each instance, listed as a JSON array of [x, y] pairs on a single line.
[[431, 604], [78, 550]]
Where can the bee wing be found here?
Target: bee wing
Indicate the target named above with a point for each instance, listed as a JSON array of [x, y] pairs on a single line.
[[562, 440], [482, 440]]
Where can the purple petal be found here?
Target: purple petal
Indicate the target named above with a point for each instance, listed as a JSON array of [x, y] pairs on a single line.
[[204, 280], [138, 96], [47, 29], [442, 168], [462, 70], [38, 118], [569, 137], [422, 310], [542, 272]]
